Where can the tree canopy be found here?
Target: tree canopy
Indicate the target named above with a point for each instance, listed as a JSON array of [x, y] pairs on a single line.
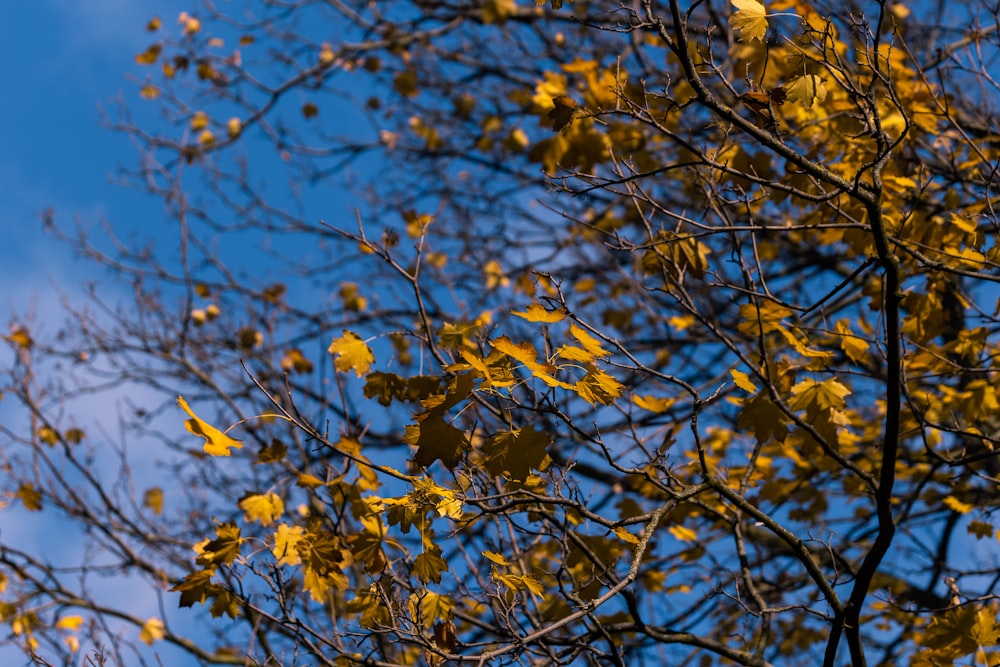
[[653, 333]]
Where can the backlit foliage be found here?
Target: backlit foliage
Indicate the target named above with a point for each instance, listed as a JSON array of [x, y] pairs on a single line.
[[651, 333]]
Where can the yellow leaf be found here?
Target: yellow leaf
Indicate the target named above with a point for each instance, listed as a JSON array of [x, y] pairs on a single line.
[[217, 443], [149, 56], [535, 312], [352, 354], [497, 11], [957, 505], [626, 536], [263, 508], [48, 435], [496, 558], [750, 18], [589, 343], [815, 397], [30, 496], [149, 92], [855, 347], [527, 355], [807, 90], [683, 534], [598, 387], [20, 337], [152, 630], [190, 23], [199, 121], [153, 499], [326, 54], [70, 622], [286, 544], [206, 138], [656, 404], [308, 481], [234, 127], [743, 381]]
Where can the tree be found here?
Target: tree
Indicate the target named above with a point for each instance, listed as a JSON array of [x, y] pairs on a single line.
[[661, 334]]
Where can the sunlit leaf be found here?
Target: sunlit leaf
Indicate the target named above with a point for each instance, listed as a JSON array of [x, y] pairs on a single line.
[[263, 508], [535, 312], [352, 354], [224, 549], [287, 541], [743, 381], [750, 19], [217, 443]]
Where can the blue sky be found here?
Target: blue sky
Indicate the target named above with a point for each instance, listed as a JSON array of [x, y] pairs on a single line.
[[62, 61]]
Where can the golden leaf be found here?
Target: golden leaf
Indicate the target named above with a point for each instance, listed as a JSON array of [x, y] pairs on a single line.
[[535, 312], [286, 544], [750, 18], [263, 508], [743, 381], [217, 443], [352, 354], [807, 91]]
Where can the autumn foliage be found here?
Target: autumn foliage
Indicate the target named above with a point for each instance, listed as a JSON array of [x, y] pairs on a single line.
[[645, 333]]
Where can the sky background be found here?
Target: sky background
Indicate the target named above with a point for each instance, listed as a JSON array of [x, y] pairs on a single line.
[[63, 61]]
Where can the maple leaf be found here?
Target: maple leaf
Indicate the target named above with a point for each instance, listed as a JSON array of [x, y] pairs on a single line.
[[263, 508], [598, 387], [807, 90], [980, 529], [750, 18], [535, 312], [217, 443], [496, 558], [429, 565], [815, 397], [516, 452], [588, 342], [195, 587], [764, 418], [352, 353], [384, 386], [273, 452], [321, 551], [287, 540], [436, 439], [224, 548], [427, 607], [224, 602]]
